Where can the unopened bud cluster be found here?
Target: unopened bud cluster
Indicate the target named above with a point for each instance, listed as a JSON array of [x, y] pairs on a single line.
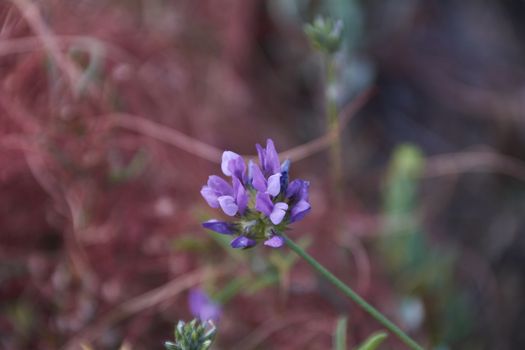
[[194, 335]]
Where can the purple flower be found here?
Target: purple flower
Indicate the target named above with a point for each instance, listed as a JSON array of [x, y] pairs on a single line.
[[223, 227], [241, 196], [215, 188], [202, 307], [218, 193], [297, 193], [268, 158], [274, 242], [243, 242], [272, 186], [233, 165], [263, 202], [275, 212]]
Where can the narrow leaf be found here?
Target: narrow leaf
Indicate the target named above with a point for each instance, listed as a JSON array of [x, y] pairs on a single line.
[[373, 341], [340, 334]]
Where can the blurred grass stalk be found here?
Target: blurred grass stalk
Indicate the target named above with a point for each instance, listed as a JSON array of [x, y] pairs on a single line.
[[326, 36], [423, 272], [332, 126]]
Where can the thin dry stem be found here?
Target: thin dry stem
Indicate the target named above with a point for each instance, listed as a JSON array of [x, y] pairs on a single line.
[[34, 18], [462, 162], [213, 154]]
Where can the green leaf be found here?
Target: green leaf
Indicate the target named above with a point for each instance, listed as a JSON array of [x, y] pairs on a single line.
[[230, 290], [340, 334], [265, 280], [224, 242], [189, 243], [373, 341]]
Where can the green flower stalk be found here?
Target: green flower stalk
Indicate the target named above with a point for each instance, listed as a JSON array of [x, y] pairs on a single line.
[[193, 336], [326, 36], [350, 293]]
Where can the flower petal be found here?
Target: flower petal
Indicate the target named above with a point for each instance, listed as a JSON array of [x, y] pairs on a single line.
[[303, 194], [285, 166], [299, 210], [227, 156], [272, 165], [237, 167], [285, 170], [220, 186], [210, 196], [278, 212], [293, 188], [274, 185], [228, 205], [202, 307], [261, 152], [241, 197], [258, 180], [243, 242], [223, 227], [263, 203], [274, 242]]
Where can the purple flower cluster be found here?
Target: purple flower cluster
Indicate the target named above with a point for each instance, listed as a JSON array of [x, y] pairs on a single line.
[[260, 197]]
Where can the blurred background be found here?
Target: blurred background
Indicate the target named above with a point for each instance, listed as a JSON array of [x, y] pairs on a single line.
[[114, 113]]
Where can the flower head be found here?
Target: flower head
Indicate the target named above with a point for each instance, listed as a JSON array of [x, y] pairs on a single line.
[[325, 34], [193, 335], [262, 200]]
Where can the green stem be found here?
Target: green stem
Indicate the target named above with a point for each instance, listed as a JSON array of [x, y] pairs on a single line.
[[332, 125], [353, 295]]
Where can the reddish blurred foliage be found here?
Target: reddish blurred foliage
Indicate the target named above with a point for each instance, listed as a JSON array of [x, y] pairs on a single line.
[[107, 114], [89, 208]]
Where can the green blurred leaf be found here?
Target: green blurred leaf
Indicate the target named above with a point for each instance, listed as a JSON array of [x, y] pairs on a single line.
[[265, 280], [373, 341], [121, 173], [189, 243], [402, 182], [21, 315], [230, 290], [340, 334], [91, 69], [224, 242]]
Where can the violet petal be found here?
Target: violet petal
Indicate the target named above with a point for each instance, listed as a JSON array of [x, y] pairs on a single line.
[[274, 242], [241, 197], [228, 205], [263, 203], [274, 184], [303, 194], [220, 185], [278, 212], [299, 210], [272, 165], [258, 180], [285, 169], [210, 196], [202, 307], [243, 242], [223, 227], [261, 152], [237, 167], [293, 188], [227, 156]]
